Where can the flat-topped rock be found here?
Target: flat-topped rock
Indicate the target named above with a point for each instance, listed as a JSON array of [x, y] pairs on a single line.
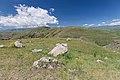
[[59, 49]]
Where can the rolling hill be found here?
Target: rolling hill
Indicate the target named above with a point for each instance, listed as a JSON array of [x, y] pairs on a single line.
[[101, 37]]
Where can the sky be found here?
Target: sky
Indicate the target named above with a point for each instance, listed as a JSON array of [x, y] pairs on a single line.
[[34, 13]]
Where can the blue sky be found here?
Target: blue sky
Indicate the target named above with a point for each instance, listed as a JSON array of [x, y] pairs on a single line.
[[70, 12]]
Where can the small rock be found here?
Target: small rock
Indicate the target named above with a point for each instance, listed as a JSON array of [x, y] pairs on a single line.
[[114, 51], [35, 64], [36, 50], [118, 61], [59, 50], [2, 46], [18, 44], [50, 67], [98, 60], [117, 52], [68, 39], [106, 58], [46, 59]]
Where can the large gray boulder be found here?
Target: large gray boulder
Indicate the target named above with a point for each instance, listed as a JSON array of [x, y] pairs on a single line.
[[59, 49], [18, 44], [48, 63]]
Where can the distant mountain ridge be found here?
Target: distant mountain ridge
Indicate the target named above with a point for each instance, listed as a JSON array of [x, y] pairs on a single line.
[[101, 37], [106, 27], [16, 29]]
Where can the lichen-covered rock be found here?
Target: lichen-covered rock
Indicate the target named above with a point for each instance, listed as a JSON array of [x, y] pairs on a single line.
[[48, 63], [59, 50], [18, 44]]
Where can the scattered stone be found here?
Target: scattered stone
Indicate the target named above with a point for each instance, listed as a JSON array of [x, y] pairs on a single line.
[[36, 50], [59, 50], [35, 64], [2, 46], [47, 63], [68, 39], [18, 44], [46, 59], [118, 52], [114, 51], [118, 61], [98, 60], [106, 58], [50, 67], [73, 70]]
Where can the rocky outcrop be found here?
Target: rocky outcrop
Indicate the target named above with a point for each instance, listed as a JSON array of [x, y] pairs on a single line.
[[59, 50], [47, 63], [115, 45]]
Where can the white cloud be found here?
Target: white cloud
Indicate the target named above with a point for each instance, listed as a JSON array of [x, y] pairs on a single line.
[[85, 24], [52, 9], [28, 17], [107, 23], [114, 20], [88, 25]]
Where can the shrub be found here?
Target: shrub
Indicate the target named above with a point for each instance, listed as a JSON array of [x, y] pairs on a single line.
[[11, 44]]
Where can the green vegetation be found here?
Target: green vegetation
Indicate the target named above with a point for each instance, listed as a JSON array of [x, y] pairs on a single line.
[[85, 47], [80, 62]]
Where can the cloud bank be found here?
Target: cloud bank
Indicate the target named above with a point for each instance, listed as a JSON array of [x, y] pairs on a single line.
[[114, 22], [28, 17]]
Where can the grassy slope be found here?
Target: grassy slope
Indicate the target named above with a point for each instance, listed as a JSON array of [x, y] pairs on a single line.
[[16, 63], [101, 37]]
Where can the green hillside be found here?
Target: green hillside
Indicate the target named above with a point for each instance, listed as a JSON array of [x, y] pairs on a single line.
[[101, 37], [85, 48]]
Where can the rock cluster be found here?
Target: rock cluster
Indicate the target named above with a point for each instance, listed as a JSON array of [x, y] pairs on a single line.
[[47, 63]]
